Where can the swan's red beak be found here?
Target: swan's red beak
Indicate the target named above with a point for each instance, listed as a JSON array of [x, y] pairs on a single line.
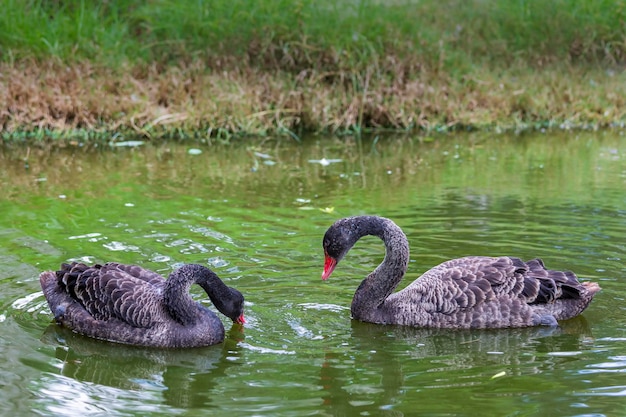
[[329, 266], [241, 319]]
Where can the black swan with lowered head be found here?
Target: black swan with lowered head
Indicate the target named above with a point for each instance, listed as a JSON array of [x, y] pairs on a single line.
[[470, 292], [132, 305]]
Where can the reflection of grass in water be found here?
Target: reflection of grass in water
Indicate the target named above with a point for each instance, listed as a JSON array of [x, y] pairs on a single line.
[[467, 194], [472, 165], [215, 69]]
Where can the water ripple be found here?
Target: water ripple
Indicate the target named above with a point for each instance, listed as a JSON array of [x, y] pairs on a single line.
[[261, 349]]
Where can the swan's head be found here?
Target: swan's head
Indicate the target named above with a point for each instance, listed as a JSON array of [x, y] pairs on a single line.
[[338, 240], [227, 300], [236, 307], [231, 306]]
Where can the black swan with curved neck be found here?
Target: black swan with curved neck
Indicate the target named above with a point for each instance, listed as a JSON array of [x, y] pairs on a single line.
[[132, 305], [470, 292]]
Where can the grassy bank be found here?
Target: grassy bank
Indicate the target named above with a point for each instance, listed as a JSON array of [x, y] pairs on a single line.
[[226, 68]]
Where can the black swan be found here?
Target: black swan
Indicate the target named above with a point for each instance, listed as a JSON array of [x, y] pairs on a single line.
[[470, 292], [132, 305]]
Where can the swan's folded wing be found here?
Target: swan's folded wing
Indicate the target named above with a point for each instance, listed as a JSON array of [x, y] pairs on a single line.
[[113, 293], [467, 282], [137, 272]]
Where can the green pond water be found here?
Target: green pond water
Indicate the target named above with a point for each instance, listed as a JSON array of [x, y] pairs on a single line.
[[256, 213]]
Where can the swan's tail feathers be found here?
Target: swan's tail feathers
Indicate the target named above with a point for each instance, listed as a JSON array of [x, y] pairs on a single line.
[[58, 300], [556, 285], [567, 308], [559, 292], [47, 279], [591, 287]]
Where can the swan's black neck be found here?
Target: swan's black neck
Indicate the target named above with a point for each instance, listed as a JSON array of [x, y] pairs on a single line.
[[378, 285], [176, 293]]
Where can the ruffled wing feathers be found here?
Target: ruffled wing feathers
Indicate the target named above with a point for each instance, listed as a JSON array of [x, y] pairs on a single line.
[[466, 283], [112, 292]]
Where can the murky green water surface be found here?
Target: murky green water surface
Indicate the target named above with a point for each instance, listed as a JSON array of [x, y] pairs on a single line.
[[256, 213]]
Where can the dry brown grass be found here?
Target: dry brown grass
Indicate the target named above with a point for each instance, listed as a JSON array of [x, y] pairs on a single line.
[[194, 100]]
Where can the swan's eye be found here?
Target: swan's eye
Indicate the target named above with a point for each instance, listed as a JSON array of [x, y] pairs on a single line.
[[334, 243], [333, 249]]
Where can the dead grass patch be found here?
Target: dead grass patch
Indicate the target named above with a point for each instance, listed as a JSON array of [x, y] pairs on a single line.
[[396, 94]]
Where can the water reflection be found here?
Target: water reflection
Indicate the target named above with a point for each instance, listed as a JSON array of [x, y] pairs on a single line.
[[179, 378], [384, 366]]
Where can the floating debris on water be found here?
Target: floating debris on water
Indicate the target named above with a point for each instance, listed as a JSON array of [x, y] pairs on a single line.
[[127, 143], [324, 162], [263, 155]]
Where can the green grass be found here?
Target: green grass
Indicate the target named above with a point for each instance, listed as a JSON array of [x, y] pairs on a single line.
[[234, 67], [321, 33]]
